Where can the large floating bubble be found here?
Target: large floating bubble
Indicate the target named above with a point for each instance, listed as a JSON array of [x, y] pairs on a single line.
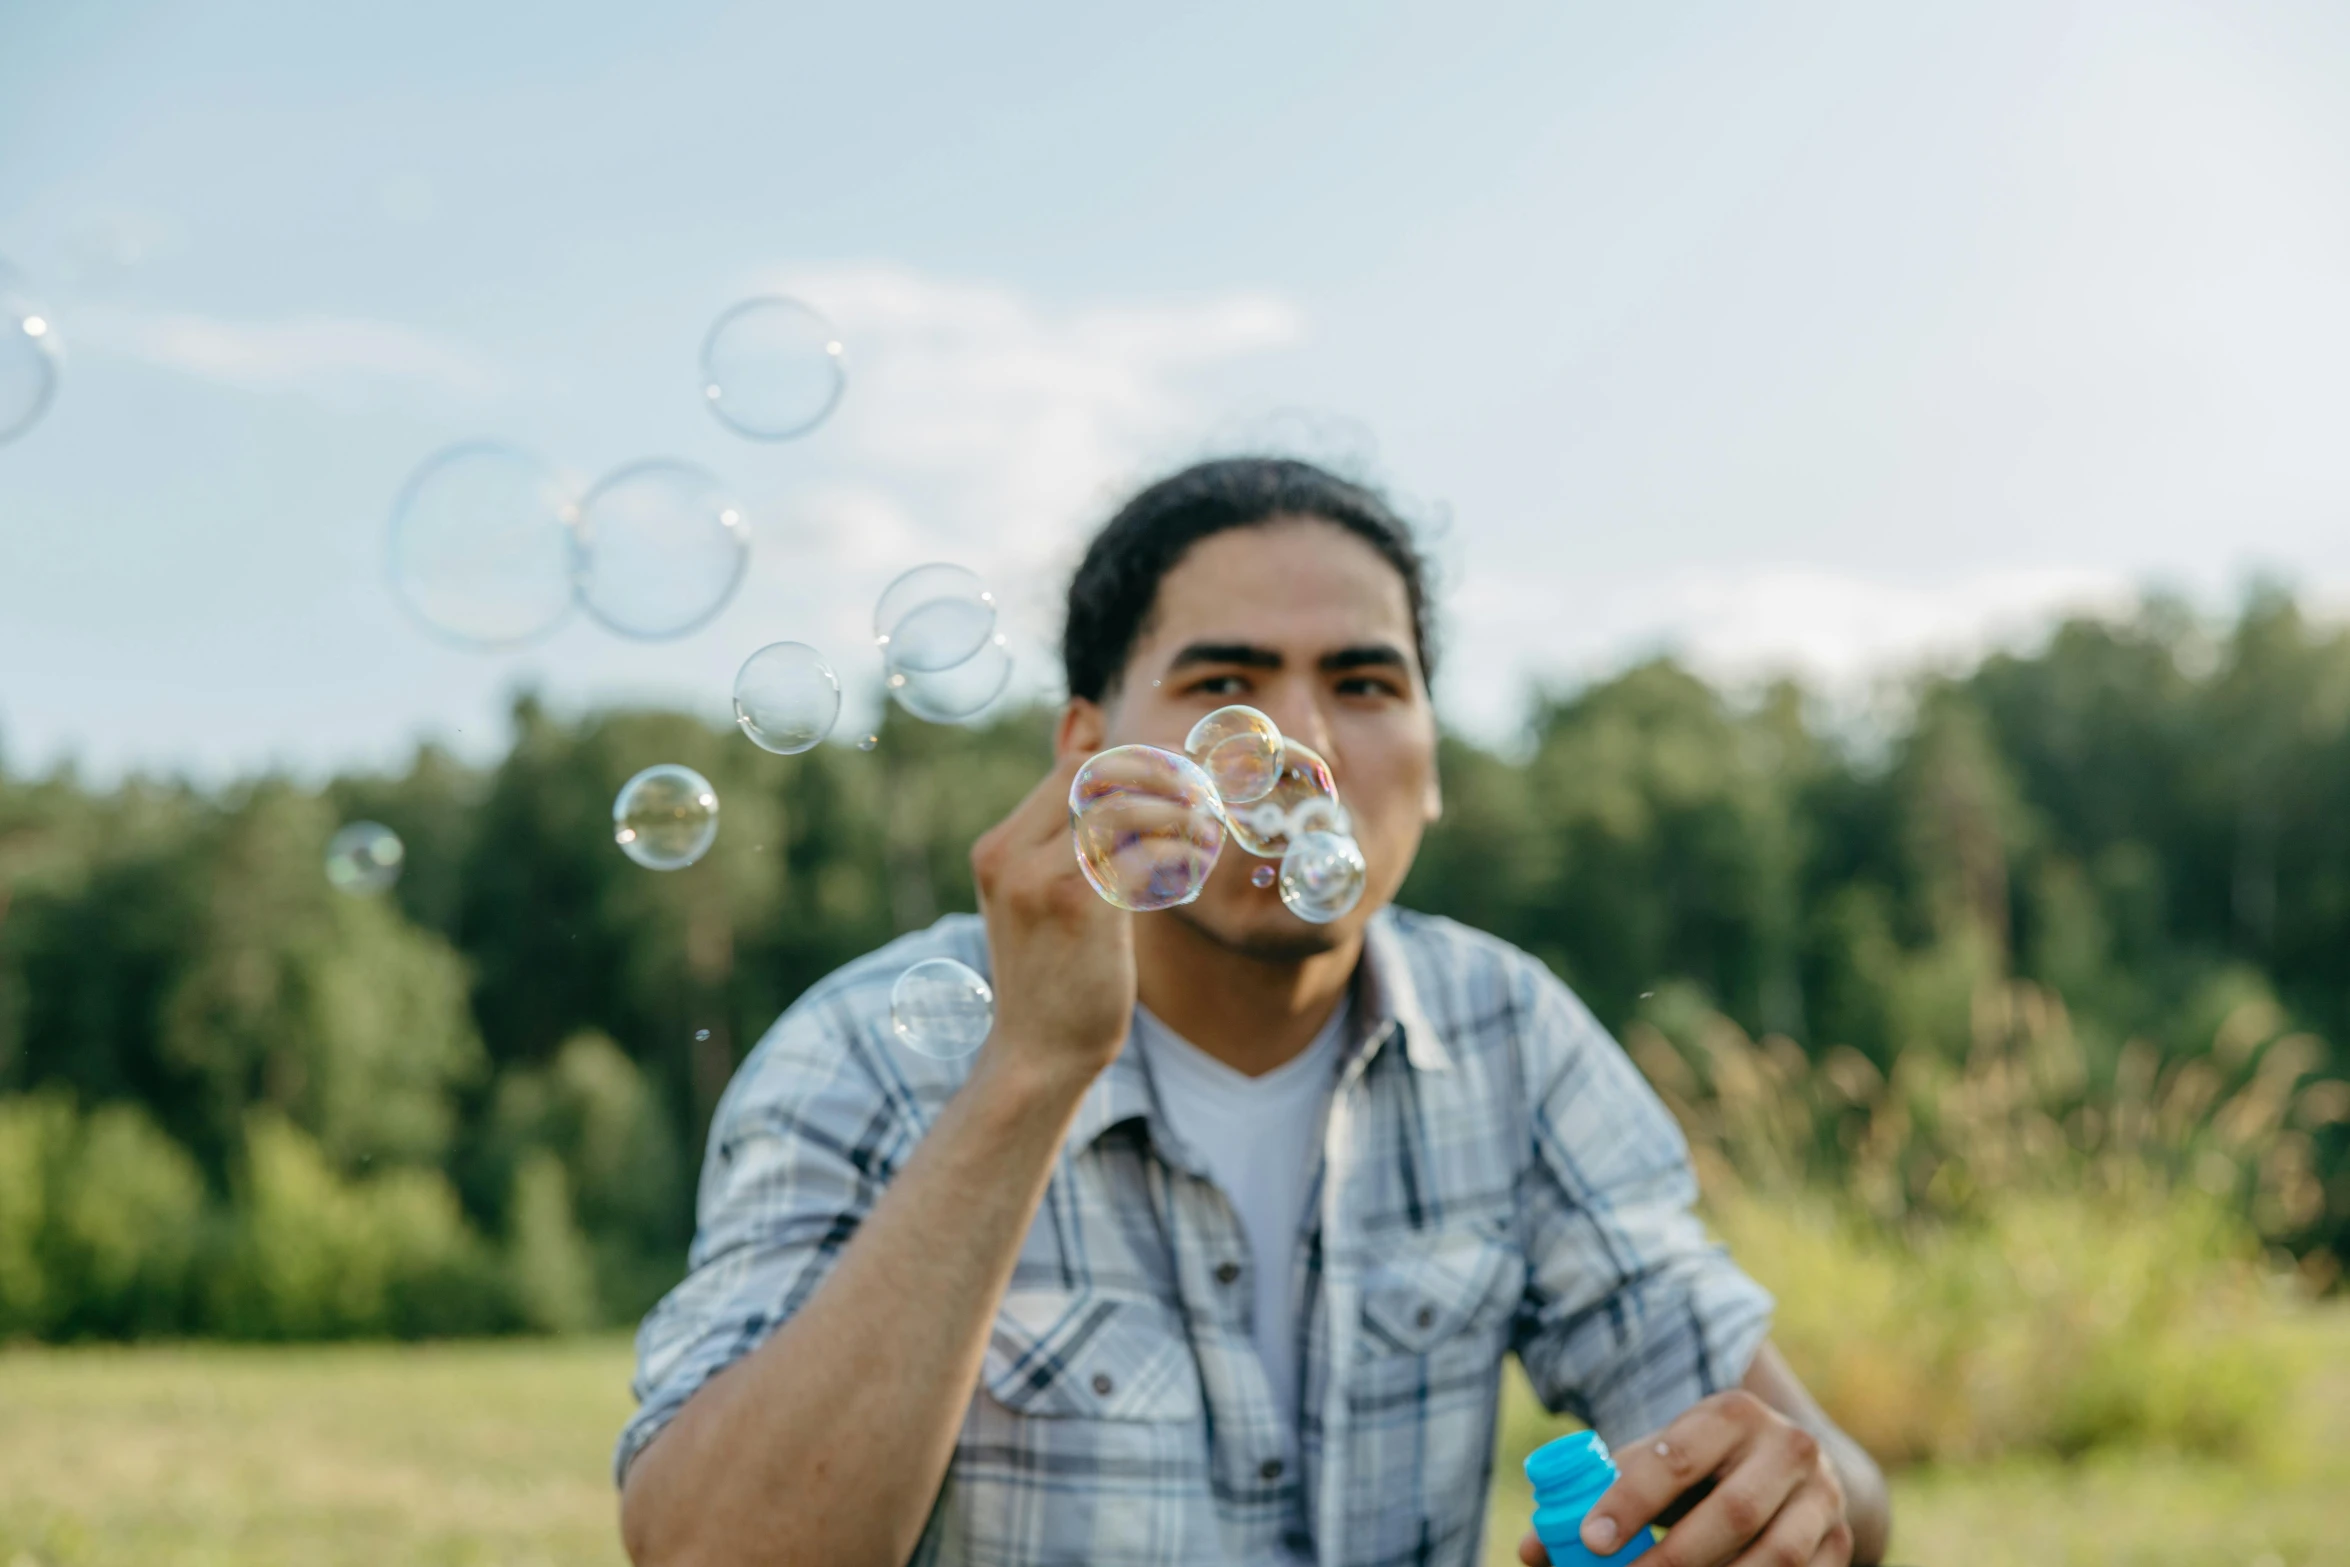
[[1304, 798], [1240, 749], [364, 858], [949, 696], [941, 1009], [665, 817], [28, 357], [786, 697], [1322, 876], [932, 618], [1147, 826], [662, 547], [772, 369], [481, 546]]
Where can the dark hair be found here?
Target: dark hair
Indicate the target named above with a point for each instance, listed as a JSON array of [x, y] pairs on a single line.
[[1117, 582]]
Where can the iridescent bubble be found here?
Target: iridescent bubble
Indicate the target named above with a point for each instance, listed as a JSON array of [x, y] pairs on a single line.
[[28, 357], [665, 817], [364, 858], [1303, 799], [772, 369], [662, 547], [949, 696], [481, 546], [1240, 748], [1262, 876], [701, 1034], [786, 697], [1147, 826], [869, 742], [1322, 876], [941, 1009], [932, 618]]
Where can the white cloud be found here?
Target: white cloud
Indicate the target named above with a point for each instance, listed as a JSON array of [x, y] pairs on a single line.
[[334, 358], [997, 421]]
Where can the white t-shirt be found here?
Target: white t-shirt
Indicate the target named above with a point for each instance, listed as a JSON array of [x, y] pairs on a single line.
[[1261, 1139]]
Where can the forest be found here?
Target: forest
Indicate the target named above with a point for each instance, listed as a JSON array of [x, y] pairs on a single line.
[[2101, 886]]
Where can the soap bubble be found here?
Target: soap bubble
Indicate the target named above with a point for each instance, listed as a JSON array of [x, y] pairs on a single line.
[[948, 696], [786, 697], [869, 742], [1240, 749], [28, 357], [1147, 826], [1303, 799], [1262, 876], [941, 1009], [662, 547], [771, 369], [481, 546], [665, 817], [932, 618], [364, 857], [1322, 876]]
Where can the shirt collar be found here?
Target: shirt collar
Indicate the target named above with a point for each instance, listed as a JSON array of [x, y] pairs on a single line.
[[1387, 1002]]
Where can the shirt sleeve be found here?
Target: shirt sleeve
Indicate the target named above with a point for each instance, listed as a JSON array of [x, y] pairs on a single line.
[[1630, 1314], [803, 1142]]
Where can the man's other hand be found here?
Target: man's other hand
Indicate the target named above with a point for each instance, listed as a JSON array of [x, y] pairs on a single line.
[[1776, 1499]]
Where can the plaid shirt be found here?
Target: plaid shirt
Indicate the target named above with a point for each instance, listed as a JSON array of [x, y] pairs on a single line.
[[1495, 1177]]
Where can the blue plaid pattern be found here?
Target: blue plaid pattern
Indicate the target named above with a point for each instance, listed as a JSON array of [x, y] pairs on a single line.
[[1496, 1178]]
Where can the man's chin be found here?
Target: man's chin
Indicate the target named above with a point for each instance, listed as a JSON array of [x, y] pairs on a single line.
[[1283, 940]]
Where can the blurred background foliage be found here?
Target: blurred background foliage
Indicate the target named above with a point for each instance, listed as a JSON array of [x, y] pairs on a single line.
[[2007, 1029]]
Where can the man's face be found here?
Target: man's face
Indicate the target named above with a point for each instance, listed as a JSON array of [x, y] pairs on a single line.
[[1307, 623]]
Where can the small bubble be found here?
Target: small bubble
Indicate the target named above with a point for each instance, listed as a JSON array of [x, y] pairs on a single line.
[[1644, 995], [1322, 876], [701, 1034], [869, 742], [1241, 750], [786, 698], [771, 369], [364, 857], [1262, 876], [941, 1009], [665, 817]]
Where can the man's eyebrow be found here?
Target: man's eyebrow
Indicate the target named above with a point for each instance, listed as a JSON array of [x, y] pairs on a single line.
[[1246, 654], [1367, 655]]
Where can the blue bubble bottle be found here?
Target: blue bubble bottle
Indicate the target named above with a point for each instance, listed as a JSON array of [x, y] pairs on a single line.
[[1569, 1475]]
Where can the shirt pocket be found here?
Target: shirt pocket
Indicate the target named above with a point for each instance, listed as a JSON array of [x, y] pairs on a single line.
[[1433, 1289], [1085, 1354]]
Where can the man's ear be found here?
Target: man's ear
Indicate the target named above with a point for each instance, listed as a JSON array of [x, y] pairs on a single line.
[[1081, 729]]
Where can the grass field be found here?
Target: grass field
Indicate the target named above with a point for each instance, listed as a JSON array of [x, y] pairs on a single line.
[[496, 1454]]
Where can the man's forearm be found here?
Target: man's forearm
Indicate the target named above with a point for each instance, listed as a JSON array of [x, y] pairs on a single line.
[[828, 1444]]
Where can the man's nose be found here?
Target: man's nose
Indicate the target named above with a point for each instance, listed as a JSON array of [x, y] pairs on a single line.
[[1297, 712]]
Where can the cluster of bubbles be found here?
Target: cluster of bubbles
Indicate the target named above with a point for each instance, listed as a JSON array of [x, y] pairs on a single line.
[[28, 356], [1149, 823], [492, 548], [942, 661]]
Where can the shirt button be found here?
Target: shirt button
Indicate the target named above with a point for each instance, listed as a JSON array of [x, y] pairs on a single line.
[[1425, 1316], [1102, 1383], [1226, 1272], [1270, 1469]]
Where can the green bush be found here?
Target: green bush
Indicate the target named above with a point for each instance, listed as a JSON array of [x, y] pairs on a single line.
[[310, 1255], [100, 1218], [553, 1280]]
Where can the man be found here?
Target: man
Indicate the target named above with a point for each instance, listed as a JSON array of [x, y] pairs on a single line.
[[1214, 1251]]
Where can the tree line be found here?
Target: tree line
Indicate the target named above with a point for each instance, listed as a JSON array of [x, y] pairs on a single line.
[[234, 1100]]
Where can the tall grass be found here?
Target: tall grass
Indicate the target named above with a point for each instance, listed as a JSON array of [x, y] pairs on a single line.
[[2026, 1248]]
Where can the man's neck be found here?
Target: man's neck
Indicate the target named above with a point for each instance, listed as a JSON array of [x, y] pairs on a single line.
[[1252, 1013]]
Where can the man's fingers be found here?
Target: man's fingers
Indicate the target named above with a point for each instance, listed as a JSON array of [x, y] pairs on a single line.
[[1799, 1532], [1746, 1506], [1530, 1551], [1652, 1472]]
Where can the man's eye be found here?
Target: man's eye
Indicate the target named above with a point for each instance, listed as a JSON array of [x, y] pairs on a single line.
[[1366, 685], [1220, 685]]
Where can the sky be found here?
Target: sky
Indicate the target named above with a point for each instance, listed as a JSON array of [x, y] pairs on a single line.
[[1808, 337]]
